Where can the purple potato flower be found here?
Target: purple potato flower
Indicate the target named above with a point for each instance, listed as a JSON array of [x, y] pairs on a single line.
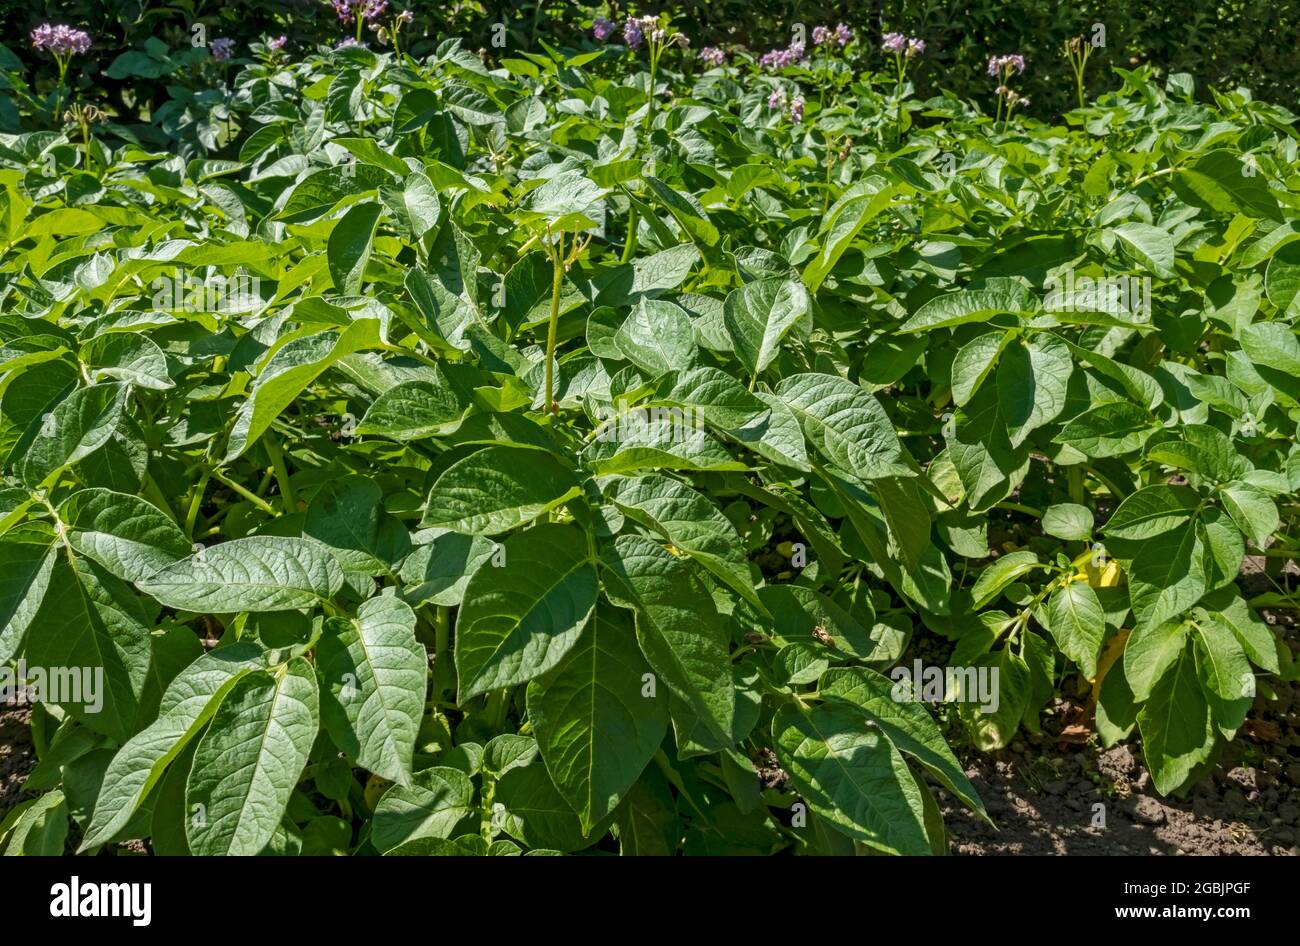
[[601, 28], [894, 43], [843, 35], [348, 10], [821, 35], [712, 56], [1000, 65], [776, 99], [796, 110], [915, 47], [633, 35], [277, 44], [60, 40], [223, 49]]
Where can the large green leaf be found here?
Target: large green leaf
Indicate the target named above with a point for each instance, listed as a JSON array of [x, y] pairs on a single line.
[[497, 488], [288, 373], [851, 775], [435, 802], [595, 725], [690, 522], [250, 759], [189, 702], [126, 534], [373, 673], [845, 424], [1177, 731], [677, 626], [758, 316], [520, 617], [260, 573]]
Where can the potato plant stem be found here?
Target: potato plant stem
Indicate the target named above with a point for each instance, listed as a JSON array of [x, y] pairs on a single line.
[[557, 285], [252, 497], [441, 629], [281, 472]]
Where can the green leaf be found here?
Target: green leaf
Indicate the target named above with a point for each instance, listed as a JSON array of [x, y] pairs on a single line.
[[974, 362], [847, 221], [373, 673], [497, 488], [126, 534], [973, 305], [656, 337], [852, 776], [1068, 521], [999, 574], [90, 619], [1032, 379], [437, 800], [1149, 652], [415, 410], [1252, 510], [79, 426], [691, 523], [1222, 665], [715, 396], [349, 246], [1078, 624], [347, 516], [288, 374], [758, 316], [677, 626], [1251, 632], [1150, 247], [595, 726], [250, 759], [1177, 731], [845, 424], [259, 573], [906, 724], [189, 702], [1220, 181], [1108, 430], [536, 813], [26, 560], [520, 618]]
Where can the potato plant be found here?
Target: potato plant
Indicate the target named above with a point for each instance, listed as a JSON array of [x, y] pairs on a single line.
[[565, 453]]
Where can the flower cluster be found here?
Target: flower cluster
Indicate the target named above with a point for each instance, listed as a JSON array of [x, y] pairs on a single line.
[[633, 33], [367, 10], [712, 56], [1005, 65], [824, 35], [778, 101], [1013, 98], [896, 44], [602, 28], [277, 44], [780, 58], [60, 40], [223, 49]]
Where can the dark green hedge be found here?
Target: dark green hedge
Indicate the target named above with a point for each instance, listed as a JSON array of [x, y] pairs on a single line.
[[1255, 43]]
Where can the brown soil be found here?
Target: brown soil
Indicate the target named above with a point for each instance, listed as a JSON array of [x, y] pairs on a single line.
[[17, 756]]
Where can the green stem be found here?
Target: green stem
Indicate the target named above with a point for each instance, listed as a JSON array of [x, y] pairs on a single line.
[[557, 285], [252, 497], [1021, 507], [441, 629], [1075, 475], [629, 246], [196, 500], [281, 471]]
